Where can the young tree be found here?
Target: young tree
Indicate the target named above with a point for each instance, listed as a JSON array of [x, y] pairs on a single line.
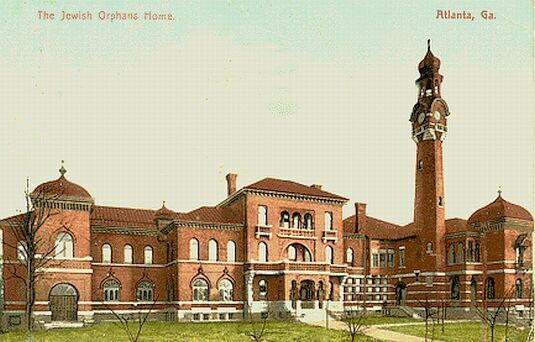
[[429, 312], [489, 316], [354, 321], [32, 245], [129, 323], [258, 331]]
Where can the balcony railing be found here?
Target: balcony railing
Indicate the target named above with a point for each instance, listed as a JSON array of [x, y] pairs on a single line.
[[298, 233], [329, 235], [298, 266], [263, 231]]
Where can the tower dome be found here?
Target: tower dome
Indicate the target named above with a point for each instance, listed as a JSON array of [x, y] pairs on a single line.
[[430, 62], [163, 212], [62, 188], [500, 208]]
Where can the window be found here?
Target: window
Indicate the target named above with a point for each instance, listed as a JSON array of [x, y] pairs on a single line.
[[296, 220], [519, 250], [489, 288], [292, 253], [127, 254], [477, 257], [436, 86], [21, 250], [262, 252], [145, 291], [111, 291], [402, 257], [200, 290], [64, 245], [308, 221], [231, 251], [518, 288], [285, 220], [440, 201], [226, 291], [470, 252], [429, 248], [307, 257], [262, 289], [455, 288], [262, 215], [451, 254], [420, 165], [106, 253], [460, 253], [212, 250], [193, 249], [147, 255], [349, 256], [328, 221], [375, 259], [382, 258], [329, 257], [391, 257]]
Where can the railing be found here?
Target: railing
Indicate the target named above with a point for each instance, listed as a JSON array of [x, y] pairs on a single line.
[[329, 235], [297, 233], [297, 266], [263, 231]]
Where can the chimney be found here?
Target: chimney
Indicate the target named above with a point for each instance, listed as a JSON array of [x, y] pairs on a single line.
[[360, 217], [231, 183], [316, 186]]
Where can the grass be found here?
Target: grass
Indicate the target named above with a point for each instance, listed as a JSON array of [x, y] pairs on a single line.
[[463, 332], [161, 331], [375, 320]]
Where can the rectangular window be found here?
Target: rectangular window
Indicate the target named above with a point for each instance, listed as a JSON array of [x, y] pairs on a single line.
[[401, 256], [429, 281], [205, 317], [222, 316], [391, 257], [231, 315], [375, 260], [196, 317], [382, 259]]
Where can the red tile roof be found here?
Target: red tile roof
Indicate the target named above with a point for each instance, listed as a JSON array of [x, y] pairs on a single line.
[[286, 186], [62, 187], [380, 230], [211, 215], [498, 209], [122, 217], [454, 225]]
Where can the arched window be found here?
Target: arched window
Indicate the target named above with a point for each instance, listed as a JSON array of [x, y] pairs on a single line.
[[451, 254], [308, 221], [329, 257], [489, 288], [518, 288], [106, 253], [212, 250], [193, 249], [285, 220], [296, 220], [21, 250], [262, 252], [231, 251], [127, 254], [226, 291], [200, 290], [292, 253], [262, 289], [470, 251], [307, 257], [349, 256], [328, 221], [519, 250], [436, 86], [262, 215], [477, 257], [455, 288], [145, 291], [111, 291], [64, 245], [147, 255], [429, 248], [460, 253]]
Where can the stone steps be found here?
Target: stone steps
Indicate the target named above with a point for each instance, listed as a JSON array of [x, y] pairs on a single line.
[[63, 325]]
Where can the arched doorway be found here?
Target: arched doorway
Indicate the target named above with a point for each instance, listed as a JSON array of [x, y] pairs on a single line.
[[64, 303], [306, 294], [401, 293]]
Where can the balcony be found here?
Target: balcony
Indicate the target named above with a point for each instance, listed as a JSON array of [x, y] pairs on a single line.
[[329, 235], [284, 266], [263, 231], [296, 233]]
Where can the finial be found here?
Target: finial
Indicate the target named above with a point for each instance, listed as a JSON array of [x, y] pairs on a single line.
[[500, 191], [62, 169], [163, 204], [429, 45]]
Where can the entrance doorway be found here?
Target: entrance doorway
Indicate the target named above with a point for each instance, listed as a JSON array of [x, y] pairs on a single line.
[[64, 303], [401, 293], [306, 294]]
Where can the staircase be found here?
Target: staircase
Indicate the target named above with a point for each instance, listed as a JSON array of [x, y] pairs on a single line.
[[410, 312]]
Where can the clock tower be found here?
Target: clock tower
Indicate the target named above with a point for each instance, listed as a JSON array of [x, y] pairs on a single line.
[[429, 128]]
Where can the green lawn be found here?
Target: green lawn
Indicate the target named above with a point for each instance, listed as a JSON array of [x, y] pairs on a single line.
[[463, 332], [160, 331]]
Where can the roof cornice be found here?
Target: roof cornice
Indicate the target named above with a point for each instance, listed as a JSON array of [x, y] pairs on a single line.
[[279, 194]]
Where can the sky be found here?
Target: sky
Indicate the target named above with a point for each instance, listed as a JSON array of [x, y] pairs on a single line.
[[315, 92]]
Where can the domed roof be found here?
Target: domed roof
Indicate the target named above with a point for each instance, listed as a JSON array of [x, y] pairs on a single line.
[[163, 212], [429, 61], [61, 187], [498, 209]]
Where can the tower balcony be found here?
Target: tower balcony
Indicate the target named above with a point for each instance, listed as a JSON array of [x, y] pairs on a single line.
[[296, 233], [329, 235], [263, 230]]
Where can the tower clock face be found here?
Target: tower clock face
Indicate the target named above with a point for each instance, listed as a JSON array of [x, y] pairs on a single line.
[[421, 118], [437, 115]]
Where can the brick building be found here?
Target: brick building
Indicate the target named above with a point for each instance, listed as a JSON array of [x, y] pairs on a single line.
[[276, 247]]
